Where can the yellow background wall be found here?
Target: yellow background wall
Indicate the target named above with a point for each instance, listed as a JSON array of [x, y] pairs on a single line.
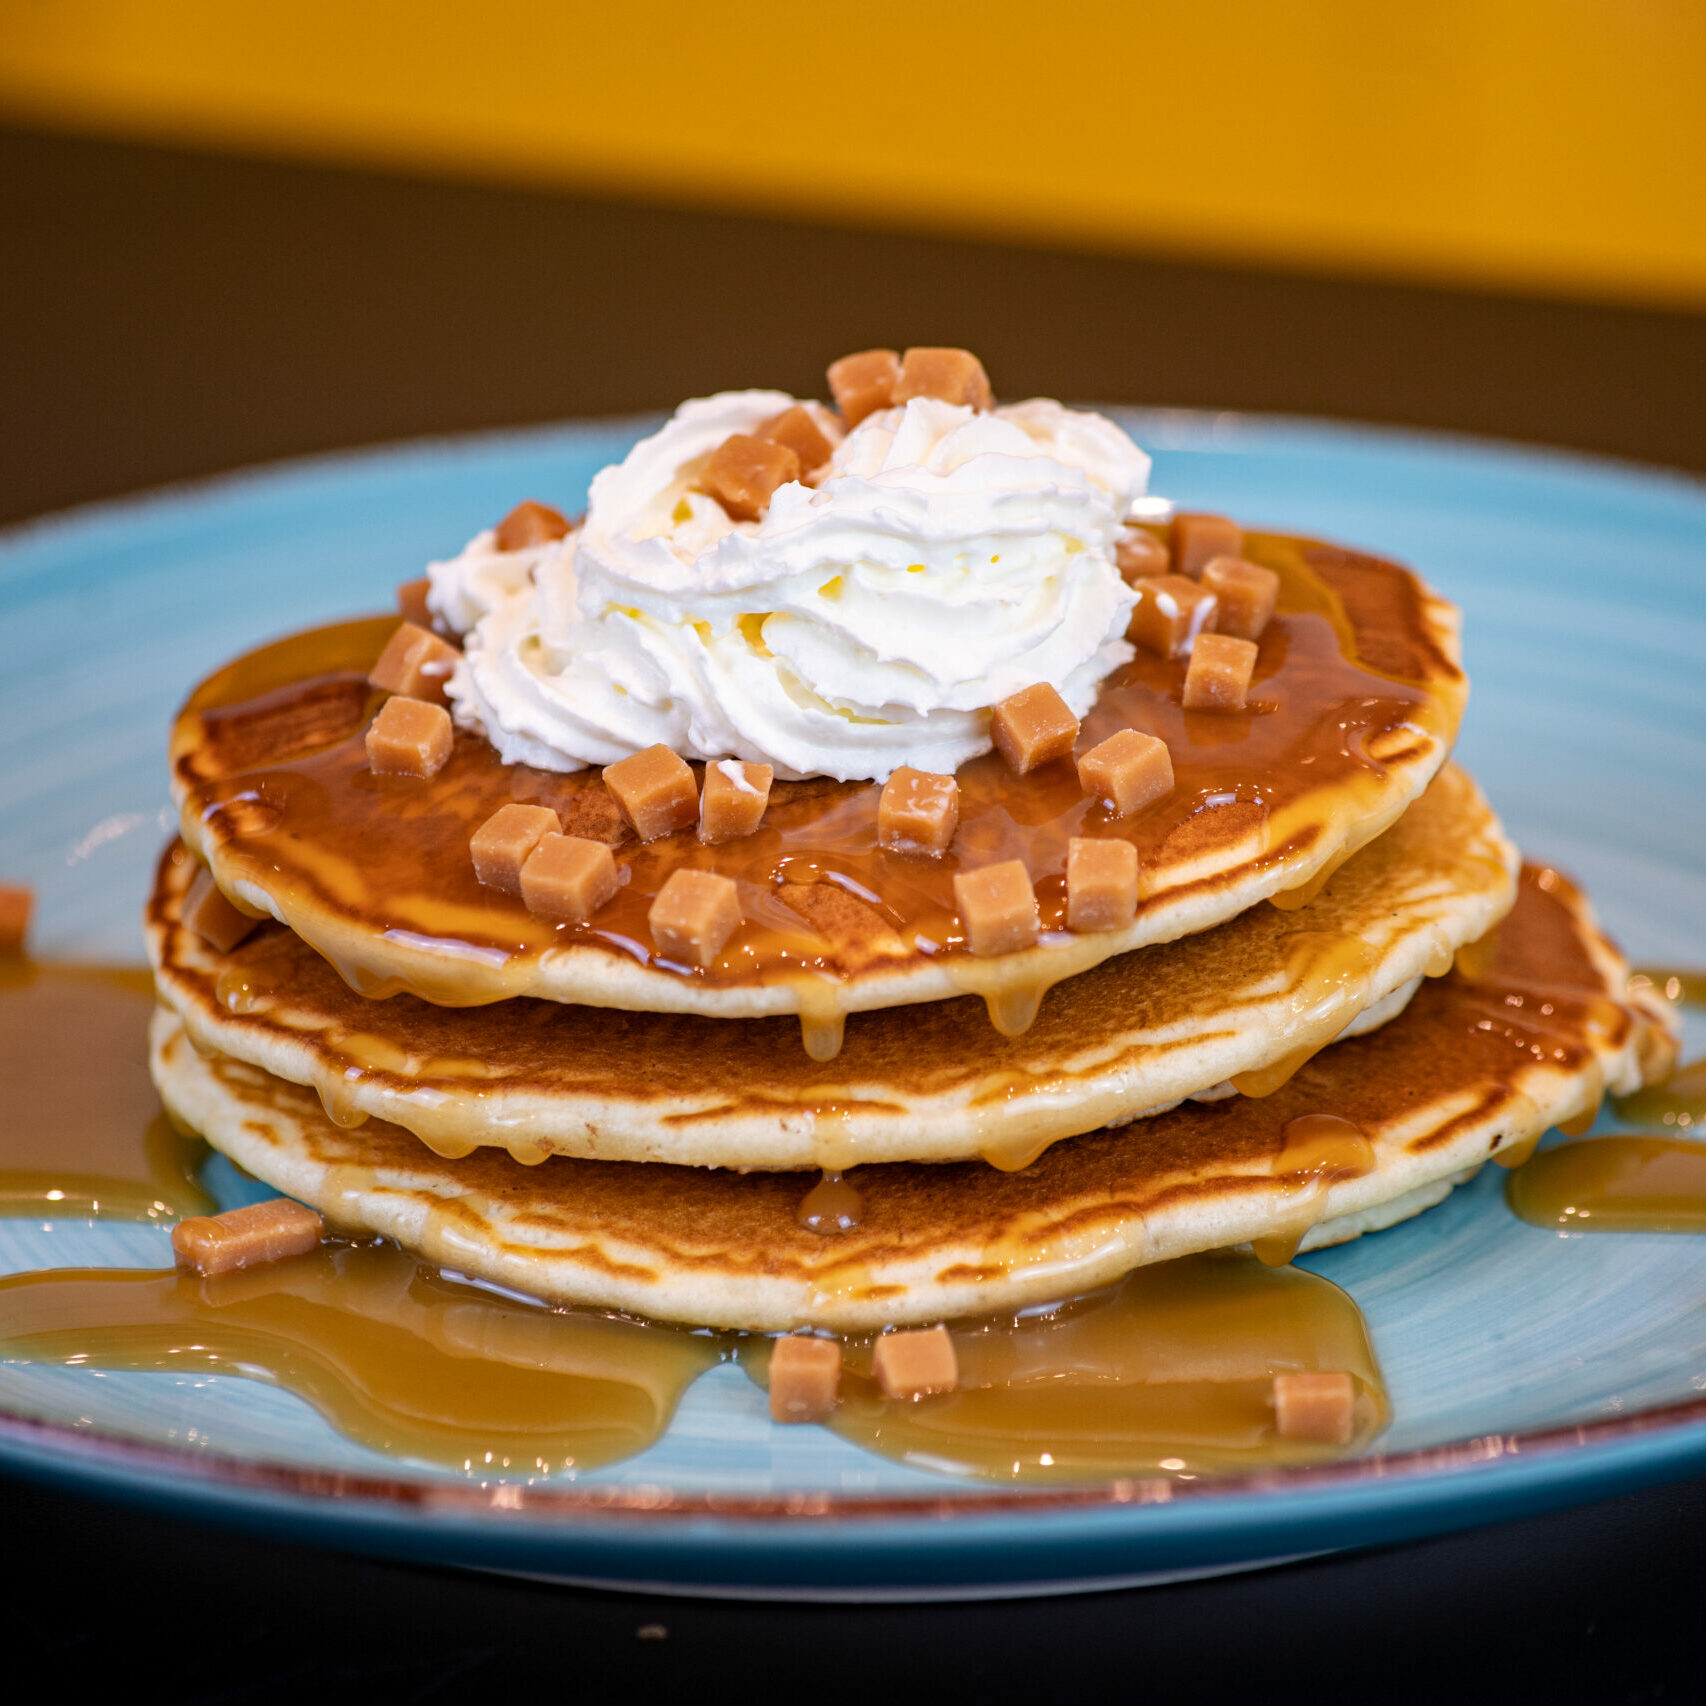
[[1557, 145]]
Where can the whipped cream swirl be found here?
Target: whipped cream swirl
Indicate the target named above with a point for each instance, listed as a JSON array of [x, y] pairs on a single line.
[[943, 559]]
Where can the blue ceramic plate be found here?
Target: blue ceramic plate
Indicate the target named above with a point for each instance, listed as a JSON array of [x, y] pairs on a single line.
[[1526, 1369]]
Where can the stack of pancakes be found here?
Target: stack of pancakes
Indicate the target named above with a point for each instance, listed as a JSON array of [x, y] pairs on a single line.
[[1340, 995]]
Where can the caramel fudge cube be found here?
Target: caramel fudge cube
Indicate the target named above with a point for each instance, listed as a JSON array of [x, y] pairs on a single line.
[[1197, 540], [530, 524], [733, 801], [409, 737], [695, 913], [1219, 673], [1316, 1406], [17, 900], [997, 905], [246, 1237], [743, 472], [918, 811], [915, 1364], [212, 917], [1141, 556], [1128, 771], [566, 876], [1169, 615], [1101, 883], [655, 791], [805, 1378], [412, 601], [949, 375], [501, 844], [801, 431], [1244, 596], [416, 662], [1033, 726], [863, 383]]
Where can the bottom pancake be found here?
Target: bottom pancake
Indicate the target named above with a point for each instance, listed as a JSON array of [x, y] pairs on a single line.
[[1370, 1131]]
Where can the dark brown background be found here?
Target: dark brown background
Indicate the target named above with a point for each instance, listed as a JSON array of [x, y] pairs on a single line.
[[165, 315]]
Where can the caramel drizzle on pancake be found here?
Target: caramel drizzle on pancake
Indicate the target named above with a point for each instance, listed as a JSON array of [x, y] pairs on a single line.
[[273, 778]]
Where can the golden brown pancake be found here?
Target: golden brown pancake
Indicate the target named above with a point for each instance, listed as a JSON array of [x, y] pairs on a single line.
[[1354, 704], [1243, 1002], [1370, 1130]]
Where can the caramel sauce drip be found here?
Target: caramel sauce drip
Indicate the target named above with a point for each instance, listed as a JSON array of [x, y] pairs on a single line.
[[1330, 970], [271, 755], [1316, 1152], [831, 1205], [1170, 1372], [392, 1354], [1614, 1184], [85, 1136]]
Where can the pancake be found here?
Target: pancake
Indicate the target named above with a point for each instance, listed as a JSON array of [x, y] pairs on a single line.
[[1136, 1034], [1355, 701], [1371, 1130]]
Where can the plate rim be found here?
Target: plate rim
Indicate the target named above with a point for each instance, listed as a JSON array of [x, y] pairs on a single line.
[[1679, 1426]]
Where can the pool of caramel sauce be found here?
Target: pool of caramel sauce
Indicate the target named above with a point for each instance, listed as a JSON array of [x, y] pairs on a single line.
[[395, 1355], [82, 1134], [1614, 1184], [1168, 1372], [1339, 690], [1646, 1182]]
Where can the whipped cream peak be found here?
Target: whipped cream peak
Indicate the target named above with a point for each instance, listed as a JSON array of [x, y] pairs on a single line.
[[481, 576], [943, 559]]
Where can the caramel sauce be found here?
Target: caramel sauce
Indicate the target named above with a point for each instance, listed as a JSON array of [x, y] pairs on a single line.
[[1316, 1152], [393, 1355], [1168, 1372], [831, 1205], [1685, 987], [1330, 970], [84, 1133], [271, 759], [1679, 1101], [1614, 1184]]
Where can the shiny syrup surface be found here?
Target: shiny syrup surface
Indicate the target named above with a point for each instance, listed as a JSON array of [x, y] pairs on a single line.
[[1169, 1372], [1346, 684], [1651, 1182], [394, 1354], [82, 1134]]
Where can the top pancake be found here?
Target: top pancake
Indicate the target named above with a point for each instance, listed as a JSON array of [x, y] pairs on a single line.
[[1354, 704]]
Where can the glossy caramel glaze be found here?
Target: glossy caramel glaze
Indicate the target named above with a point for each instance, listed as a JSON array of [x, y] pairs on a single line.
[[1677, 1101], [1355, 699], [84, 1134], [1169, 1372], [831, 1205], [393, 1354], [1674, 983], [1614, 1184]]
